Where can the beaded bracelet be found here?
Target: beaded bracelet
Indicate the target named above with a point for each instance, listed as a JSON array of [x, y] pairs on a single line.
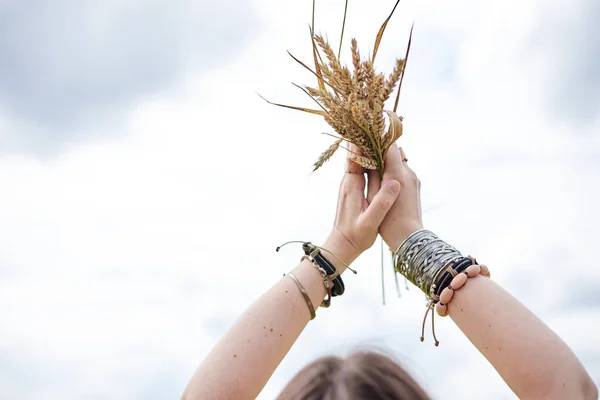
[[459, 279]]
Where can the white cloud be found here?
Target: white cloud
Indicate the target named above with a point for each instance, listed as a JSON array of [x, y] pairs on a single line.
[[125, 260], [71, 63]]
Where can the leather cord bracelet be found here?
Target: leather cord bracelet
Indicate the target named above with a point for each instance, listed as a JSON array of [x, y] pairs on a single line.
[[332, 281], [459, 266], [332, 273]]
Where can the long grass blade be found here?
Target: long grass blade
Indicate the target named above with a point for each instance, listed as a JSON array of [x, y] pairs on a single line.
[[306, 110], [343, 29], [313, 72], [382, 280], [342, 138], [404, 69], [333, 136], [309, 95], [381, 30], [395, 130], [316, 59], [312, 29], [350, 151], [312, 25]]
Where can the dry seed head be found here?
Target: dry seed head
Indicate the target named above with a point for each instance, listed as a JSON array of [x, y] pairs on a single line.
[[392, 81], [353, 104], [364, 162], [326, 155]]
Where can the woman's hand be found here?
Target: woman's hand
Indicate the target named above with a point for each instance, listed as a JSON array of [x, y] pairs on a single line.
[[357, 220], [404, 217]]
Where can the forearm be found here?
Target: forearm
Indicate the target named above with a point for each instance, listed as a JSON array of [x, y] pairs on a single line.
[[243, 361], [529, 356]]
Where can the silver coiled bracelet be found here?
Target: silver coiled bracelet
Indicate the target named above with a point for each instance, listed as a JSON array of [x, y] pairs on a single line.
[[435, 267]]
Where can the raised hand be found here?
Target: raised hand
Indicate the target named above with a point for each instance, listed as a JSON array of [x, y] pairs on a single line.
[[404, 217]]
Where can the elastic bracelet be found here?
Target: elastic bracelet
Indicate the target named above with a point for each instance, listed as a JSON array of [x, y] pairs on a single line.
[[472, 270], [311, 308]]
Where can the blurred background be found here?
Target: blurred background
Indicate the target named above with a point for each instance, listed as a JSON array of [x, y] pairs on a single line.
[[144, 185]]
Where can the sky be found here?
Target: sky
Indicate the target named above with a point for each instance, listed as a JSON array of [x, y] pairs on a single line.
[[145, 185]]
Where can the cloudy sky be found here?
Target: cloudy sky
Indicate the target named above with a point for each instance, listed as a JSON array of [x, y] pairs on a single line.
[[144, 185]]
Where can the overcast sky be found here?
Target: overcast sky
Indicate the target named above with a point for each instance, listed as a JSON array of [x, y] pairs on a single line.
[[145, 185]]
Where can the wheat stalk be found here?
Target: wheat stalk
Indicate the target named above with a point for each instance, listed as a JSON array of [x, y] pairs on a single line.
[[353, 102]]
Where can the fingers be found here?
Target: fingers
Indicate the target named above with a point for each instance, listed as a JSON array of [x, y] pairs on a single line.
[[381, 204], [351, 166], [393, 158], [352, 189], [374, 185], [404, 159], [353, 183]]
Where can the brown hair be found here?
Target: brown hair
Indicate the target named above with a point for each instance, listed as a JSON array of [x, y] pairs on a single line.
[[363, 375]]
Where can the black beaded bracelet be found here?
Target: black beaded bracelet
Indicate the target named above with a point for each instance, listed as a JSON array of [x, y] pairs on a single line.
[[314, 252], [459, 266]]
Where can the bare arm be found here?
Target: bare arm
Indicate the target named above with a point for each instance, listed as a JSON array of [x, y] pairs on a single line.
[[528, 355], [246, 357], [243, 361]]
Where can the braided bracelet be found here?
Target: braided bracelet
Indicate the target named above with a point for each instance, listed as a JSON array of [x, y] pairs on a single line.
[[435, 267]]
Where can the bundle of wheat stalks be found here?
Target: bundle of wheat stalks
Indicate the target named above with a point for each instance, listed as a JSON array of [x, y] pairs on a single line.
[[353, 102]]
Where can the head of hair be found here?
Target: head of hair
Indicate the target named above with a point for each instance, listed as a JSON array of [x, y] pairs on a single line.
[[362, 375]]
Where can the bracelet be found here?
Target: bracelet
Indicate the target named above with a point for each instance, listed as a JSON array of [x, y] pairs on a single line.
[[471, 270], [317, 258], [441, 283], [311, 308], [328, 286], [332, 281], [422, 256], [437, 268]]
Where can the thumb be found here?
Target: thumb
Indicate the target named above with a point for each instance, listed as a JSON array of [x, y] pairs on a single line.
[[381, 204]]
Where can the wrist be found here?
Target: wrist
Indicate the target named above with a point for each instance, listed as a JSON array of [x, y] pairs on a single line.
[[336, 244], [395, 239]]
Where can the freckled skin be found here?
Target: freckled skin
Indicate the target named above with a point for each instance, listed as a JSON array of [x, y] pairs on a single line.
[[530, 358]]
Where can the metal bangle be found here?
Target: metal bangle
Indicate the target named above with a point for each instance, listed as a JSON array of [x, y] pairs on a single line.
[[309, 303], [422, 256]]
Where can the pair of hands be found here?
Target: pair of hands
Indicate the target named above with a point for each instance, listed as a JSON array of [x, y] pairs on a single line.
[[392, 207]]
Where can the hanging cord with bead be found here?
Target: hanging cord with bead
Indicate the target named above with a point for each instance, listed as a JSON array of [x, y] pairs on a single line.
[[451, 271]]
